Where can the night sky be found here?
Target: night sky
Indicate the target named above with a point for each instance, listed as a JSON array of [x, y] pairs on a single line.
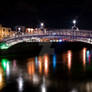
[[54, 13]]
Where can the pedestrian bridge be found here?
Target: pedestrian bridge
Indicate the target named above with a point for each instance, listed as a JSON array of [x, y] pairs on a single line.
[[49, 36]]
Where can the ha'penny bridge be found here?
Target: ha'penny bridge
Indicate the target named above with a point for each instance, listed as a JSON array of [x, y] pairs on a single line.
[[49, 36]]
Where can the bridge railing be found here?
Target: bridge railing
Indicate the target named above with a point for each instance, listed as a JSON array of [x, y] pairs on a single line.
[[64, 32]]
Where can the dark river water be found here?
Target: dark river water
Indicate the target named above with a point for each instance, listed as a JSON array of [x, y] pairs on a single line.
[[68, 71]]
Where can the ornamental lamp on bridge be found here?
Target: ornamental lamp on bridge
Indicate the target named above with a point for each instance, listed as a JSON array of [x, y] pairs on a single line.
[[42, 27], [74, 27], [19, 29], [74, 22]]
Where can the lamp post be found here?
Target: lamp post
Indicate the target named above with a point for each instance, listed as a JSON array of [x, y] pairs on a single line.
[[19, 30], [42, 27], [74, 22], [74, 27]]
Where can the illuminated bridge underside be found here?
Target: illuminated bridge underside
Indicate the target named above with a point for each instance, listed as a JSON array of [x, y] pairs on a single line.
[[49, 36]]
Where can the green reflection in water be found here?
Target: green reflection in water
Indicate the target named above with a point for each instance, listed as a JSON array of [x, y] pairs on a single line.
[[4, 63]]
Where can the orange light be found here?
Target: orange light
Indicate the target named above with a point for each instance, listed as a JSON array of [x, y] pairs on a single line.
[[46, 64], [31, 68], [40, 64], [29, 30], [69, 59], [1, 78], [84, 56]]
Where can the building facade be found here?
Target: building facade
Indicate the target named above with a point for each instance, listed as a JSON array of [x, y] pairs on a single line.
[[35, 31], [5, 32]]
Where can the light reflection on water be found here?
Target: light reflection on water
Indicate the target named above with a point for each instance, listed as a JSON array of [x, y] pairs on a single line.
[[84, 57], [31, 67], [20, 83], [88, 56], [1, 78], [46, 64], [8, 69], [47, 71], [54, 61], [40, 65], [69, 55], [36, 62]]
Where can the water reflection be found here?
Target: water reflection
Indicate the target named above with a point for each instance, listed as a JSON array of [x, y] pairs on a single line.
[[36, 62], [8, 69], [4, 63], [1, 78], [37, 69], [74, 90], [46, 64], [20, 83], [89, 86], [85, 86], [88, 56], [31, 67], [14, 64], [69, 55], [36, 79], [67, 59], [14, 67], [43, 86], [31, 70], [40, 65], [54, 61], [84, 57]]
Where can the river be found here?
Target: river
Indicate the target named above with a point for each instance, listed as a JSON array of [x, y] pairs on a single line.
[[70, 70]]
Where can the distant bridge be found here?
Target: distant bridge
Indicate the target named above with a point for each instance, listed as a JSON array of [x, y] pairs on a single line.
[[49, 36]]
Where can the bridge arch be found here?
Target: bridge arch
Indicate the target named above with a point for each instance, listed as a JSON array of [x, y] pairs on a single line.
[[10, 42], [51, 36]]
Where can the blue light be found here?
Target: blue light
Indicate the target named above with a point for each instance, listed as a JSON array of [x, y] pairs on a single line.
[[88, 53], [36, 61], [54, 61], [60, 40]]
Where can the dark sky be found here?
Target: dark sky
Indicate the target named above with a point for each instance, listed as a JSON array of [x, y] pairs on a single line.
[[54, 13]]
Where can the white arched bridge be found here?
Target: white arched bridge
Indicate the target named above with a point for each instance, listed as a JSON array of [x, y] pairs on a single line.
[[49, 36]]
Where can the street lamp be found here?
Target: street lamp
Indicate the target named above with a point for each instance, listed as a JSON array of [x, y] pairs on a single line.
[[19, 29], [42, 27], [42, 24], [74, 22], [74, 27]]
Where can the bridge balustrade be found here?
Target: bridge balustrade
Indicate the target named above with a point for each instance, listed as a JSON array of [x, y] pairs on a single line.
[[63, 34]]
